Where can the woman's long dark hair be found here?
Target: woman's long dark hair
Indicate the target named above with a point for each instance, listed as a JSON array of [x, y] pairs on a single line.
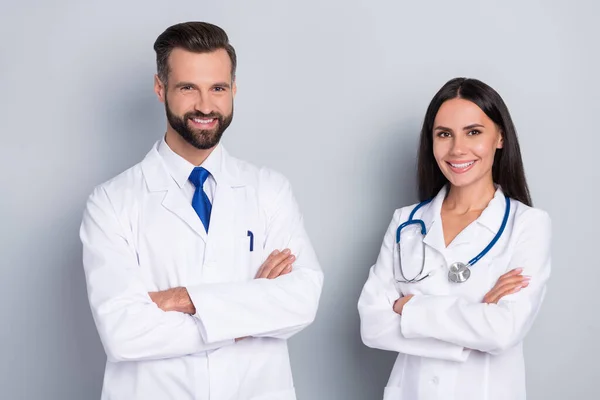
[[507, 170]]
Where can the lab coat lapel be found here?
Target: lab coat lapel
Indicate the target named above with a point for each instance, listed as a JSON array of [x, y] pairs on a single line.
[[491, 218], [484, 228], [222, 218], [433, 222], [224, 210], [158, 179], [175, 202]]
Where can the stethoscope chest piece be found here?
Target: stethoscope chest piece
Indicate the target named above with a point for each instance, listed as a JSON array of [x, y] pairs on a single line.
[[459, 272]]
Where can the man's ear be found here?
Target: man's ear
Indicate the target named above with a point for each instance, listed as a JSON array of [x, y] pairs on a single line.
[[160, 89]]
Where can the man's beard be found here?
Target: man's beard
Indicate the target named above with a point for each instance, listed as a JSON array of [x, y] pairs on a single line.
[[202, 139]]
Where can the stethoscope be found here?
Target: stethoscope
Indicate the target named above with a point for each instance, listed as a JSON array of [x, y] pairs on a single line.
[[458, 272]]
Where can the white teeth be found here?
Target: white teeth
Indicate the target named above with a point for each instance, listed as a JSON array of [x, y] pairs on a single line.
[[203, 121], [464, 165]]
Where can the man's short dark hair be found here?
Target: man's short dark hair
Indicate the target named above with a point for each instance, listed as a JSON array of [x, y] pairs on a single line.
[[197, 37]]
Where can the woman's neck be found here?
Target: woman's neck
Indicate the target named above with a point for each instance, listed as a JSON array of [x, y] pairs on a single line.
[[463, 200]]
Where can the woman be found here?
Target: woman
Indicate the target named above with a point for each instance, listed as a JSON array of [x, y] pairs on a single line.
[[459, 329]]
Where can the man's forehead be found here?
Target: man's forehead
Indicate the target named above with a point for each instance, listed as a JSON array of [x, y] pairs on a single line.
[[187, 65]]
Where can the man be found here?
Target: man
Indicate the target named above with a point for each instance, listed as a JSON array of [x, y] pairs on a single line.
[[190, 277]]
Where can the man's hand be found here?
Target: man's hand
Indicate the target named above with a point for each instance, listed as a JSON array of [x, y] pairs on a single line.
[[277, 264], [176, 299], [399, 304]]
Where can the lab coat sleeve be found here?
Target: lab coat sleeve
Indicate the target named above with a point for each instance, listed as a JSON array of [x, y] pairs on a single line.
[[131, 327], [277, 308], [491, 328], [380, 325]]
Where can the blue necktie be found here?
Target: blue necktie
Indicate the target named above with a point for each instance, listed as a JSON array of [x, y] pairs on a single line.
[[200, 202]]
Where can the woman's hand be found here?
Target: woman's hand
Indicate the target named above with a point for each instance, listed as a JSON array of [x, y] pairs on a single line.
[[399, 304], [509, 283]]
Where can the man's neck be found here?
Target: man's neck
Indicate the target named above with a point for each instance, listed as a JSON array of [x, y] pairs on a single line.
[[185, 150]]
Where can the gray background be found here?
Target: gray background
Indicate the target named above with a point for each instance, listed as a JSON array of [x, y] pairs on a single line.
[[331, 93]]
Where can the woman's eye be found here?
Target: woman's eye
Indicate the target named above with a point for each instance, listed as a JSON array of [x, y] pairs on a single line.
[[444, 134], [474, 132]]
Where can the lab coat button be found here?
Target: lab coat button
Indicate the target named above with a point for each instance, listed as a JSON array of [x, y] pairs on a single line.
[[435, 380]]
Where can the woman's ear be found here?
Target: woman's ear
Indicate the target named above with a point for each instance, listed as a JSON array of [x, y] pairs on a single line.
[[500, 143]]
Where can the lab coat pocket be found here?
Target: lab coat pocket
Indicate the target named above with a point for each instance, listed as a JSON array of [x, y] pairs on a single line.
[[392, 393], [249, 253], [287, 394]]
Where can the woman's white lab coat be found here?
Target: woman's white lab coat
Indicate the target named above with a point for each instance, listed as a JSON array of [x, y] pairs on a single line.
[[451, 345]]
